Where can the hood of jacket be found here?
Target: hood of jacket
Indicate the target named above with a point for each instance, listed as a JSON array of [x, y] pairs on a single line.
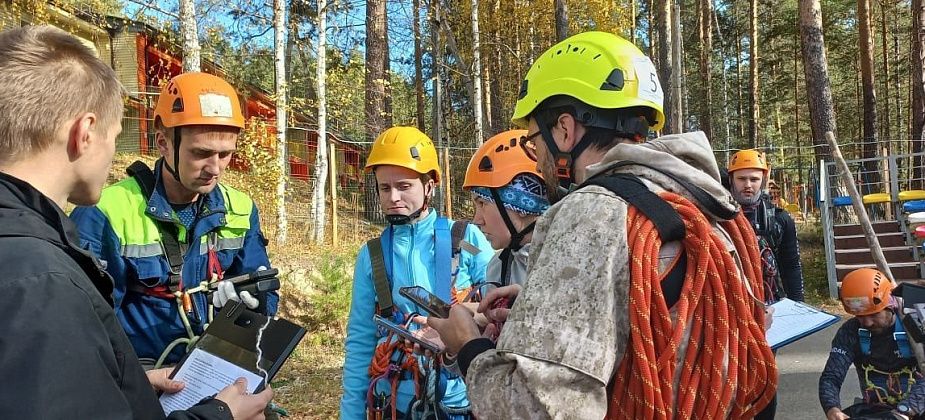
[[666, 160]]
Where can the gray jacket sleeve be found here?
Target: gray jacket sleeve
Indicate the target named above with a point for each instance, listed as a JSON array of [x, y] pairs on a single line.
[[568, 328]]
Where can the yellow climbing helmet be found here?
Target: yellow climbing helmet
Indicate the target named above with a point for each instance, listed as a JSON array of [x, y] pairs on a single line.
[[406, 147], [599, 69]]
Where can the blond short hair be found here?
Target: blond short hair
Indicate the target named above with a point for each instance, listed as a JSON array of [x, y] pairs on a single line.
[[50, 77]]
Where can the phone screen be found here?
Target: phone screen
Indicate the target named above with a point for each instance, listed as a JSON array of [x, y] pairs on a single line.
[[405, 334], [427, 301]]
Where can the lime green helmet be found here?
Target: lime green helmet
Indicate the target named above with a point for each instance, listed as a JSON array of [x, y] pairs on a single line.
[[599, 69]]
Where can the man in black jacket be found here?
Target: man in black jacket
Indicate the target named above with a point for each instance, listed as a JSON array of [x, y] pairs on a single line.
[[63, 353], [776, 232]]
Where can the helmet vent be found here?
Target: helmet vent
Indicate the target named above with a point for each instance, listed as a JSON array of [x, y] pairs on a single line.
[[485, 164], [177, 105], [614, 81], [415, 154], [523, 89]]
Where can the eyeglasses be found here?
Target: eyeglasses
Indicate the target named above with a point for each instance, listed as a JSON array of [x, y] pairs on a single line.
[[529, 145]]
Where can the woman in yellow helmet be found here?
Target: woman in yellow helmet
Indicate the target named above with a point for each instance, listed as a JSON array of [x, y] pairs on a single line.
[[417, 248]]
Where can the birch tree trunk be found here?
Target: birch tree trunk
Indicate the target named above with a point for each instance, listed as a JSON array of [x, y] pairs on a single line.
[[477, 76], [189, 31], [321, 158], [280, 35], [816, 69]]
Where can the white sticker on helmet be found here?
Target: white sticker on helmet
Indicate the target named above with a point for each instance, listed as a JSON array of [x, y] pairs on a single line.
[[649, 87], [215, 105]]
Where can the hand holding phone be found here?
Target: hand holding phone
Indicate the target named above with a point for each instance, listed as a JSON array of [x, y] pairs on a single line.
[[420, 339], [426, 300]]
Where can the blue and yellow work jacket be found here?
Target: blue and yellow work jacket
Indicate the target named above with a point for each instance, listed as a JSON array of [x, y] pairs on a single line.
[[121, 231]]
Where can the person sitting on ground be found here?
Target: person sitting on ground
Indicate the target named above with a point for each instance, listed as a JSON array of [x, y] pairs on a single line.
[[875, 341]]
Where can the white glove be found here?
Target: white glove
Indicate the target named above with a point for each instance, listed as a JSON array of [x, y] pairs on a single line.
[[225, 292]]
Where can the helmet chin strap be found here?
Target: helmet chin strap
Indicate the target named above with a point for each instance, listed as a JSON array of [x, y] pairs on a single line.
[[175, 170], [404, 219], [563, 161], [517, 237]]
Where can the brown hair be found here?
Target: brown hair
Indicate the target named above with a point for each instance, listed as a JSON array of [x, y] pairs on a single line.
[[48, 78]]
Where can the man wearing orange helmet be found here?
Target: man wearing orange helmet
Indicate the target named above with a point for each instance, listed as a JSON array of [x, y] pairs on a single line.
[[382, 376], [876, 343], [509, 195], [166, 234], [748, 173]]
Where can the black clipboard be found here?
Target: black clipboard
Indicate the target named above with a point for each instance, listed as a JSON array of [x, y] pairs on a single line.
[[232, 336]]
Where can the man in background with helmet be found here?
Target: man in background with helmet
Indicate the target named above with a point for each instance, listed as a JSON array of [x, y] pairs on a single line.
[[749, 175], [876, 343], [578, 338], [165, 234], [382, 378]]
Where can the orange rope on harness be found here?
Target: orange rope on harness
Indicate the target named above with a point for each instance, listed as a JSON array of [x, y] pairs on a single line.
[[722, 316], [381, 368]]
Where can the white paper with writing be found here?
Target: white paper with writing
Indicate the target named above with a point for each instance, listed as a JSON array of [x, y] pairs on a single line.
[[205, 375]]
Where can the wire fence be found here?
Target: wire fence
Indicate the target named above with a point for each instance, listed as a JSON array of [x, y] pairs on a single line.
[[358, 210]]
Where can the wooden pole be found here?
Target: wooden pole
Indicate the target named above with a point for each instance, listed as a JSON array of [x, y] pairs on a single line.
[[332, 164], [857, 203]]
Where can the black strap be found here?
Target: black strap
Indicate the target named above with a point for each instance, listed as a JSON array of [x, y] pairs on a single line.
[[173, 249], [666, 219], [380, 277], [703, 198]]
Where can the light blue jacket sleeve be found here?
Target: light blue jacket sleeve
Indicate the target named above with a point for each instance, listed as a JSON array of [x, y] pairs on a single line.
[[361, 340], [473, 268]]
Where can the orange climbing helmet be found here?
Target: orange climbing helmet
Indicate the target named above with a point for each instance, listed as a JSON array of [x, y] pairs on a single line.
[[865, 291], [498, 161], [198, 99], [406, 147], [748, 159]]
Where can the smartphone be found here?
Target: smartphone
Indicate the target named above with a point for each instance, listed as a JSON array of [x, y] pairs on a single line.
[[427, 301], [407, 335]]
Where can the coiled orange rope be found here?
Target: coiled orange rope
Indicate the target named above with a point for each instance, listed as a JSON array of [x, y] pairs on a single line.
[[728, 370]]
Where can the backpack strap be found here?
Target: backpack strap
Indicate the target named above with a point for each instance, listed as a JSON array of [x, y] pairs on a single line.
[[667, 222], [168, 231], [864, 339], [443, 256], [457, 232], [380, 277]]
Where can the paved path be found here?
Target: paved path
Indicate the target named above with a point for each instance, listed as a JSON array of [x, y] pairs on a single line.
[[800, 365]]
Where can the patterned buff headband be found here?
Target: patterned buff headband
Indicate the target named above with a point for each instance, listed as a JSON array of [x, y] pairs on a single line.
[[525, 194]]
